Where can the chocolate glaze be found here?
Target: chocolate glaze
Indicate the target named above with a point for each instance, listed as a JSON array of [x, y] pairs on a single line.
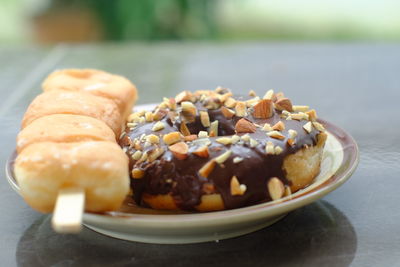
[[169, 175]]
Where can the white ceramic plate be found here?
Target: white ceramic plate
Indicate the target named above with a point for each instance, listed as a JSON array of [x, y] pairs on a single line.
[[134, 223]]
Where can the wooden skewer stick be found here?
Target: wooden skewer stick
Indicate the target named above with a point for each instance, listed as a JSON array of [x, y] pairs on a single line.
[[67, 216]]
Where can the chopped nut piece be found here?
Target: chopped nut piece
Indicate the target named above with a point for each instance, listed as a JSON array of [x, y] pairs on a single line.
[[148, 116], [292, 133], [318, 126], [321, 138], [154, 154], [221, 90], [279, 126], [202, 152], [300, 108], [291, 141], [142, 120], [240, 109], [208, 188], [267, 127], [207, 168], [172, 138], [146, 144], [279, 95], [184, 129], [224, 140], [237, 189], [235, 138], [269, 148], [278, 150], [276, 188], [159, 114], [179, 150], [213, 131], [223, 157], [312, 115], [204, 118], [131, 124], [137, 173], [172, 115], [137, 155], [152, 139], [269, 94], [308, 127], [230, 102], [224, 97], [228, 113], [299, 116], [276, 135], [252, 102], [158, 126], [212, 103], [252, 93], [171, 103], [188, 109], [245, 126], [133, 117], [202, 142], [284, 104], [143, 157], [203, 134], [253, 142], [245, 138], [190, 138], [264, 109], [236, 160], [183, 96]]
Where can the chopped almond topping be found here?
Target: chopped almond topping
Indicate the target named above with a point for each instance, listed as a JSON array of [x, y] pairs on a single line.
[[245, 126], [264, 109], [202, 152], [278, 150], [237, 160], [291, 141], [158, 126], [230, 102], [299, 116], [300, 108], [203, 134], [276, 135], [279, 95], [171, 103], [237, 189], [172, 138], [142, 120], [152, 139], [312, 115], [131, 124], [143, 157], [223, 157], [221, 90], [204, 118], [252, 93], [224, 140], [318, 126], [212, 103], [253, 142], [148, 116], [190, 138], [245, 138], [159, 114], [154, 154], [240, 109], [267, 127], [179, 150], [228, 113], [207, 168], [225, 96], [269, 94], [137, 155], [137, 173], [292, 133], [284, 104], [279, 126], [188, 109], [308, 127], [208, 188], [252, 102], [184, 129], [213, 131], [183, 96], [269, 148], [276, 188], [235, 138]]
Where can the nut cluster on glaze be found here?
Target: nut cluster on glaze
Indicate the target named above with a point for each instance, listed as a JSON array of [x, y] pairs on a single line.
[[189, 142]]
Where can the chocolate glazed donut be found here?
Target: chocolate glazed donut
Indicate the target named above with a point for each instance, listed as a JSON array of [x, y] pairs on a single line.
[[210, 150]]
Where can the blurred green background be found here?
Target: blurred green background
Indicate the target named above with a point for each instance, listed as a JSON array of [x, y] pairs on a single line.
[[52, 21]]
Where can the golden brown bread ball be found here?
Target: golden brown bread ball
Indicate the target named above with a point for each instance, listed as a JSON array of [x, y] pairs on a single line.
[[64, 128], [78, 103], [100, 168], [96, 82]]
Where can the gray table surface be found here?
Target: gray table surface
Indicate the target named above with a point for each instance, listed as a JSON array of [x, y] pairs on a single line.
[[356, 86]]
